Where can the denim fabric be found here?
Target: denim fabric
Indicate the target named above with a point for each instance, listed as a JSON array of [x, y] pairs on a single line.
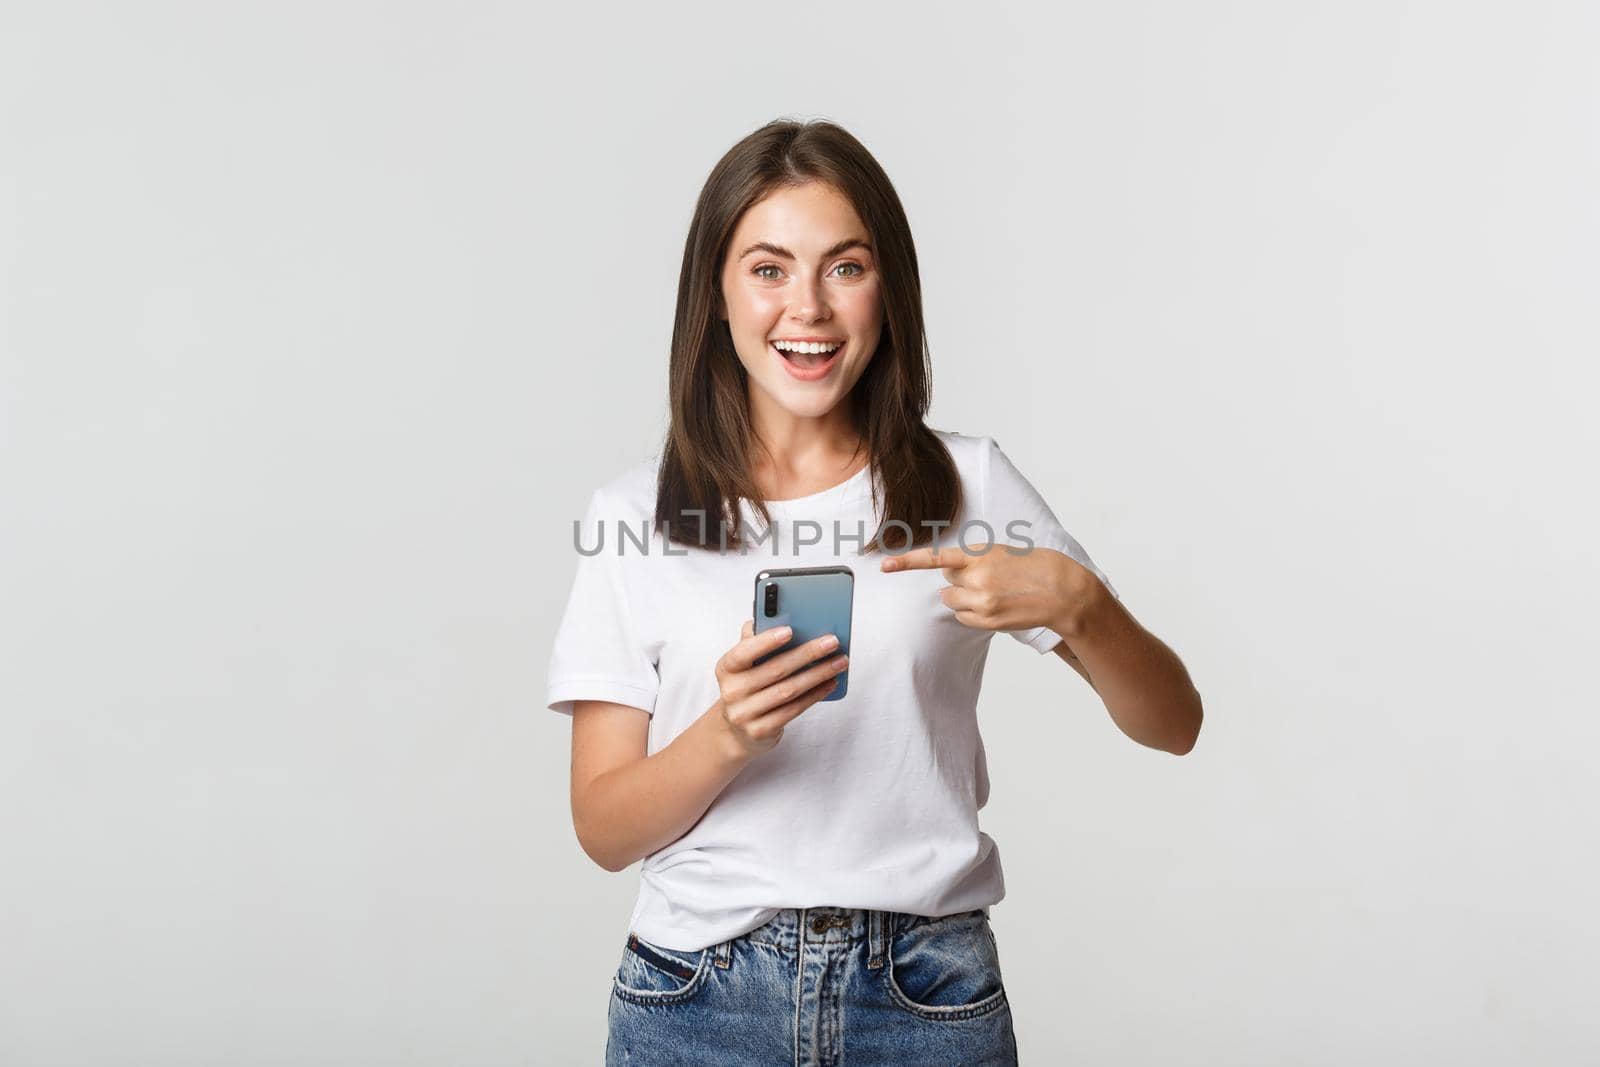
[[818, 987]]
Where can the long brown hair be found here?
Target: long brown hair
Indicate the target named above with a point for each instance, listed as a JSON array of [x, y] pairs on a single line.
[[705, 469]]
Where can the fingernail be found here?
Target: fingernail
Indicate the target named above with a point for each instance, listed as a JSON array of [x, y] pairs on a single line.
[[831, 641], [841, 663], [785, 631]]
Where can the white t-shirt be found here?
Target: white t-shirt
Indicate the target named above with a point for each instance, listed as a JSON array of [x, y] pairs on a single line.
[[869, 801]]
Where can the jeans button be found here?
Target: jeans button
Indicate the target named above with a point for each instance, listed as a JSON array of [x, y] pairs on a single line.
[[819, 925]]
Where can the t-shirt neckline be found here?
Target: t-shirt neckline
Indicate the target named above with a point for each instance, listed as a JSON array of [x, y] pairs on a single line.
[[821, 495]]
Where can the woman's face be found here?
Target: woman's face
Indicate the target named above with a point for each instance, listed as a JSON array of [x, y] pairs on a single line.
[[800, 268]]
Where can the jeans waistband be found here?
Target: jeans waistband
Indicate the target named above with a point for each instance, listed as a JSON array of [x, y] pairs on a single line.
[[820, 927]]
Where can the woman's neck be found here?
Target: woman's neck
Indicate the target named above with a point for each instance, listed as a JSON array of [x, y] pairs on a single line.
[[794, 456]]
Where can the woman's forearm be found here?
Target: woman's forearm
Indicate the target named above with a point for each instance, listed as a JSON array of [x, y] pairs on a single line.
[[628, 812]]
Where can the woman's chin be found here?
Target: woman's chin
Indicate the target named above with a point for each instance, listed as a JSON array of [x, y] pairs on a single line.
[[800, 399]]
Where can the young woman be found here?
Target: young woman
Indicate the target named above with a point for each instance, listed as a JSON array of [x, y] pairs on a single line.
[[815, 888]]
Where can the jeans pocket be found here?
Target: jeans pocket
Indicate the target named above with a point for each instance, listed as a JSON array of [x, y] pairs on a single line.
[[650, 974], [946, 968]]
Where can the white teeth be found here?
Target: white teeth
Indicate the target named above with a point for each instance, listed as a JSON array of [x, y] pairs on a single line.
[[812, 347]]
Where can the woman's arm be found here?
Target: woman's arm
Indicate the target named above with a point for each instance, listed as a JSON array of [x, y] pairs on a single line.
[[1142, 682], [1064, 651], [626, 805]]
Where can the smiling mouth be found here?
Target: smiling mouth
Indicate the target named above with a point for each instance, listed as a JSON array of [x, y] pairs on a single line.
[[808, 361]]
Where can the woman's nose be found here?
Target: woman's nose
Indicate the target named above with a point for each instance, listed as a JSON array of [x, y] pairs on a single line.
[[808, 303]]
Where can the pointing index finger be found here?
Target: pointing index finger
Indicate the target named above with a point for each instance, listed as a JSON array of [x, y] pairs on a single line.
[[928, 558]]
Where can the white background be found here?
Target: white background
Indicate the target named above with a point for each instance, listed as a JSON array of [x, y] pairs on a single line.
[[320, 321]]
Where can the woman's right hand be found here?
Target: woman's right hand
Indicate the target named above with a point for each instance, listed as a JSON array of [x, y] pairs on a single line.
[[758, 702]]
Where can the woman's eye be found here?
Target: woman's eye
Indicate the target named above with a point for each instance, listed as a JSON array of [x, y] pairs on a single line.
[[772, 277]]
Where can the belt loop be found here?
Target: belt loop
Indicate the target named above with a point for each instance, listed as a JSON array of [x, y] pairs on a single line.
[[877, 938], [724, 955]]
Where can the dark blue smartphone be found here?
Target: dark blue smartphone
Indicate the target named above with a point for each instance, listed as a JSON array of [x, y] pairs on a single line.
[[811, 601]]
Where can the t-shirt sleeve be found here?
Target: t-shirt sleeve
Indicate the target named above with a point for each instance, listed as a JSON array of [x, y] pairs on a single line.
[[597, 654], [1010, 498]]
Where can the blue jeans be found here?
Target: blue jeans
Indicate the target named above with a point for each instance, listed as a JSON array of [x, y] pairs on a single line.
[[818, 987]]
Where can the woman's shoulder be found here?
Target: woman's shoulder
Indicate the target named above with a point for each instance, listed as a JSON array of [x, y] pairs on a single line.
[[968, 450]]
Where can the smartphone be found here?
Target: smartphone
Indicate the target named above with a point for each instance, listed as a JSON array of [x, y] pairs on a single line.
[[811, 601]]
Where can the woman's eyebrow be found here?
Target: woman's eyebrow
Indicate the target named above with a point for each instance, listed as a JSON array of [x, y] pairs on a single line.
[[778, 250]]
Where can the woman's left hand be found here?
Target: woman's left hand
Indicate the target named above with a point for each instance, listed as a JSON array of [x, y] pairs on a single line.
[[1001, 591]]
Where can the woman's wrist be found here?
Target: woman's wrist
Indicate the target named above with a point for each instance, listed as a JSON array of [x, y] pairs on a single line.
[[725, 746]]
